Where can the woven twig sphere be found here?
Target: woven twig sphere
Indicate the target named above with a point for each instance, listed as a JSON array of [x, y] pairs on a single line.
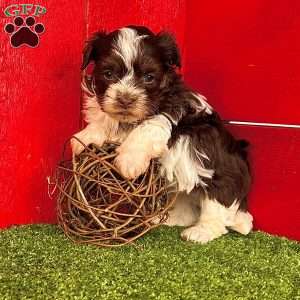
[[97, 205]]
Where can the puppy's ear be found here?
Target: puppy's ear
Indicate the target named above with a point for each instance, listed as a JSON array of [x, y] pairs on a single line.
[[169, 48], [92, 49]]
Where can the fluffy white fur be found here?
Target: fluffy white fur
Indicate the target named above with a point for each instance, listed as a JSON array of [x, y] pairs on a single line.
[[127, 46], [178, 164]]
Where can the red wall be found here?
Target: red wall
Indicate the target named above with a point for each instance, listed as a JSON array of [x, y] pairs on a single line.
[[39, 110], [242, 55], [274, 200]]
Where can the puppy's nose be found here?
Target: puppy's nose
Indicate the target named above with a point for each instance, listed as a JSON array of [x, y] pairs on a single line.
[[125, 101]]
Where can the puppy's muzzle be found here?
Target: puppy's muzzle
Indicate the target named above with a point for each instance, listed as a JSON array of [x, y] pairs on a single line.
[[125, 101]]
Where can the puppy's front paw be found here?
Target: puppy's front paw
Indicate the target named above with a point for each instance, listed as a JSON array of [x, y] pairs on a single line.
[[76, 146], [201, 234], [85, 138], [132, 164]]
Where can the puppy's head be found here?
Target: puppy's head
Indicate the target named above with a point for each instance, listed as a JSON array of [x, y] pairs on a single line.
[[132, 68]]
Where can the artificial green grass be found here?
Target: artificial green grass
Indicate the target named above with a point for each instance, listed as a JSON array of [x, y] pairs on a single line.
[[38, 262]]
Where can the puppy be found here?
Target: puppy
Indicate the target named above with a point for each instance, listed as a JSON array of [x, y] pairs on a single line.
[[137, 97]]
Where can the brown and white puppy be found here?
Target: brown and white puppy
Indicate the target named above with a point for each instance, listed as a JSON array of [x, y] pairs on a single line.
[[138, 98]]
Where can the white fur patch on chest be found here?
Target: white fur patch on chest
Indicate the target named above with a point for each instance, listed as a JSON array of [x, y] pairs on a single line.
[[180, 165]]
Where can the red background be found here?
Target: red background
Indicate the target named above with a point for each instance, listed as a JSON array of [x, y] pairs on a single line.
[[242, 55]]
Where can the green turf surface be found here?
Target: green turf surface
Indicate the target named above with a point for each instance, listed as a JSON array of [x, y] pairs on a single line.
[[38, 262]]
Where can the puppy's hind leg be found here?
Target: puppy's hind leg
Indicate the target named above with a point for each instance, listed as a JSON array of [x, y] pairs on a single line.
[[214, 218], [183, 213], [242, 222]]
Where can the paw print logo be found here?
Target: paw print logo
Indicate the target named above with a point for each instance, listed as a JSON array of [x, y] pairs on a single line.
[[24, 32]]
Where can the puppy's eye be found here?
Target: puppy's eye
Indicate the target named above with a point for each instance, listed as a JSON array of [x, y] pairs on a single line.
[[148, 78], [108, 75]]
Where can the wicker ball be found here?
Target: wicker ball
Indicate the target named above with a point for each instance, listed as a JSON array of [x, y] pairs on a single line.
[[97, 205]]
